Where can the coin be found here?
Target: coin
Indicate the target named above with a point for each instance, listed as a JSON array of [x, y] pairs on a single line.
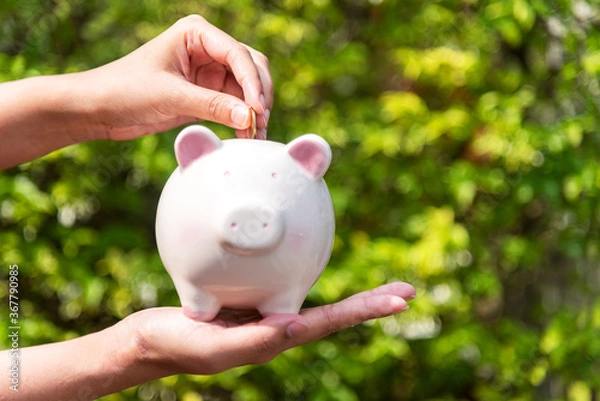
[[253, 124]]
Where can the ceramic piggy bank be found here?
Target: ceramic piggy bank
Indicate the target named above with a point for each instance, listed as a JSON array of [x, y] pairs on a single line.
[[245, 224]]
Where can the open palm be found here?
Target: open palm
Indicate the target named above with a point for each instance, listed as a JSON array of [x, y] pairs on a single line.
[[181, 345]]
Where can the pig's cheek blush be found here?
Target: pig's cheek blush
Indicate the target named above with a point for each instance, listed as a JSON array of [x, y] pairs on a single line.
[[296, 240], [187, 235]]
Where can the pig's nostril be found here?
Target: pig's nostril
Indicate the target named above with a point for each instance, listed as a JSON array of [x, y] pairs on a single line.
[[248, 230], [274, 175]]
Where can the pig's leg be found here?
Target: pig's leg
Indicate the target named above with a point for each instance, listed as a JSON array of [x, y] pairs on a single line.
[[197, 303], [285, 302]]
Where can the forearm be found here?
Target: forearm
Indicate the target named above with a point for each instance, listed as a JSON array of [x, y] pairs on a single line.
[[42, 114], [85, 368]]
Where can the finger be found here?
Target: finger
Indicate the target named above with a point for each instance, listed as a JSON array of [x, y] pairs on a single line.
[[263, 340], [210, 76], [231, 87], [400, 289], [261, 133], [260, 342], [223, 48], [324, 320], [263, 66], [262, 63], [206, 104]]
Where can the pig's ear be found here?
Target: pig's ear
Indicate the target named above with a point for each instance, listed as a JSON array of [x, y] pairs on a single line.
[[193, 143], [312, 153]]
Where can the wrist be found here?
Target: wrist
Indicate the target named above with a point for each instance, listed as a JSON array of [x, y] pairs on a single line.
[[76, 107], [42, 114], [59, 105], [139, 352]]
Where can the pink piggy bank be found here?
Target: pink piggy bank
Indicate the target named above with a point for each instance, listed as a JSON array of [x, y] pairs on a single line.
[[245, 224]]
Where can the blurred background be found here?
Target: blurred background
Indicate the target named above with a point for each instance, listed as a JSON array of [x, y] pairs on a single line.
[[466, 146]]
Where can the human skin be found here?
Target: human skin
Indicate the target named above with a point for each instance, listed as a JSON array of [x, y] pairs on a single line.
[[160, 342], [190, 72]]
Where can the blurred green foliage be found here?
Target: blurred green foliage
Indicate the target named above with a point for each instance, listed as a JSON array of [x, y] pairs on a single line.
[[466, 162]]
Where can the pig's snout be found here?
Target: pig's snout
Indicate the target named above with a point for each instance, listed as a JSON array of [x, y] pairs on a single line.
[[250, 230]]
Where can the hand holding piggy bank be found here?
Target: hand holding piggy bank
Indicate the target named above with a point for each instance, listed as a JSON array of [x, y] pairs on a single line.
[[245, 224]]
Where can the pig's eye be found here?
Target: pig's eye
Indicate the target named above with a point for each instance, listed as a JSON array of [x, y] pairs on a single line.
[[274, 176], [226, 173]]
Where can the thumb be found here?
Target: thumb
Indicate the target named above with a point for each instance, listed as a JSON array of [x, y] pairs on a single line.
[[207, 104]]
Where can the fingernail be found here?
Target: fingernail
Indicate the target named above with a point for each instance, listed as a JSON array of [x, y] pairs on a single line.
[[262, 101], [266, 116], [408, 298], [398, 304], [296, 329], [262, 133], [240, 115]]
